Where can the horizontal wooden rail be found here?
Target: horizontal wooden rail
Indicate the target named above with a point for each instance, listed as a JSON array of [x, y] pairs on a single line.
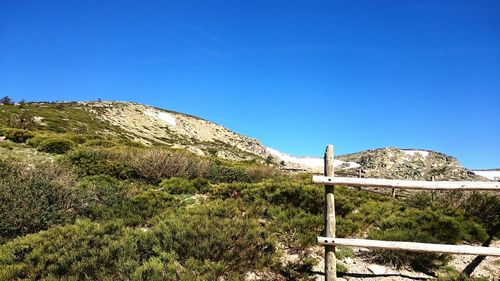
[[411, 246], [409, 184]]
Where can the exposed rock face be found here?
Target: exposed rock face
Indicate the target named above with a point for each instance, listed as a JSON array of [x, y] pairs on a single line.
[[151, 125], [395, 163]]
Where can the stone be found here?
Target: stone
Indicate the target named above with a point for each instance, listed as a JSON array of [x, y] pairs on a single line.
[[377, 269]]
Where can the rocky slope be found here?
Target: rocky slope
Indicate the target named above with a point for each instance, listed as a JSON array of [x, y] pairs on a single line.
[[151, 125], [395, 163], [154, 126]]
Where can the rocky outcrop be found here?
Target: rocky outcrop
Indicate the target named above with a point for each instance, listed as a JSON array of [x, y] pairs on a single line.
[[151, 125], [395, 163]]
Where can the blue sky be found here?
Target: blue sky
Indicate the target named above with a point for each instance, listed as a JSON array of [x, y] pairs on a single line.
[[295, 74]]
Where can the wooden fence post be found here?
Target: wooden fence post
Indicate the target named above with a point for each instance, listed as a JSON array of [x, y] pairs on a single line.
[[330, 262], [359, 176], [432, 192]]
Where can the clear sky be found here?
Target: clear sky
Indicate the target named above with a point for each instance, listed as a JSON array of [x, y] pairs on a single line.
[[295, 74]]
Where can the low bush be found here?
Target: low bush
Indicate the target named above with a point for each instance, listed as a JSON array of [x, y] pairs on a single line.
[[256, 173], [428, 225], [461, 277], [112, 162], [220, 173], [34, 205], [35, 198], [100, 142], [8, 167], [17, 135], [107, 198], [418, 200], [36, 140], [419, 261], [83, 251], [56, 145], [103, 190], [211, 242], [220, 232], [485, 208], [296, 228], [277, 192], [184, 186], [157, 164]]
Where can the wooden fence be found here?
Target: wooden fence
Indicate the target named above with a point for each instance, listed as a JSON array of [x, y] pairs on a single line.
[[330, 241]]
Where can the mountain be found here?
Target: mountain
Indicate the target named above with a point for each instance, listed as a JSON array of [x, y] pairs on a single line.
[[416, 164], [154, 126]]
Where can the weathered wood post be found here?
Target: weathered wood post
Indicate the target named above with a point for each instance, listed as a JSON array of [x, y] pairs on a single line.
[[433, 193], [330, 262], [359, 176]]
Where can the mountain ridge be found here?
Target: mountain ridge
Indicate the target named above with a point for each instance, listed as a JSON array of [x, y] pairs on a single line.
[[151, 125]]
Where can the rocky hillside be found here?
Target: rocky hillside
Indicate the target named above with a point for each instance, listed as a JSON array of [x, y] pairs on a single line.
[[395, 163], [153, 126]]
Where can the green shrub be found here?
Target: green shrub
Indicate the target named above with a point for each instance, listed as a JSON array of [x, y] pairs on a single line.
[[256, 173], [343, 252], [183, 186], [211, 242], [219, 173], [218, 232], [301, 269], [28, 207], [296, 228], [17, 135], [84, 251], [100, 142], [107, 198], [8, 167], [419, 261], [89, 162], [484, 207], [460, 277], [56, 145], [36, 140], [36, 198], [418, 200], [157, 164], [147, 204], [104, 190], [428, 225], [306, 197]]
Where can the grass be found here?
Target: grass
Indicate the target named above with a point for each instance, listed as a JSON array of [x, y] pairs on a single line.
[[343, 252], [58, 117]]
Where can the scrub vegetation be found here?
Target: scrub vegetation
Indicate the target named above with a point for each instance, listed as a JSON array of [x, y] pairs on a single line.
[[84, 206]]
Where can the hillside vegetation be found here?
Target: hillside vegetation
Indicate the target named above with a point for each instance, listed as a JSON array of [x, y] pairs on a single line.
[[82, 200]]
